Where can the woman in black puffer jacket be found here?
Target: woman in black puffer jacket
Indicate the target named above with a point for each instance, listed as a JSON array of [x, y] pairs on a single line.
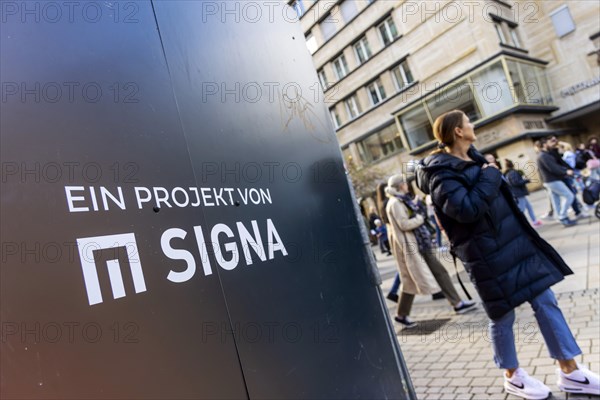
[[507, 261]]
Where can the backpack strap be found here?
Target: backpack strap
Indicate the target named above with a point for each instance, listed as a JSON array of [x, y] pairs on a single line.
[[462, 285]]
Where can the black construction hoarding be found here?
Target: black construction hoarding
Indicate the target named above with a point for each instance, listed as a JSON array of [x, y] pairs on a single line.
[[176, 222]]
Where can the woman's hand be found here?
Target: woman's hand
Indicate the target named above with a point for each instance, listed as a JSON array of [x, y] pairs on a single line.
[[490, 165]]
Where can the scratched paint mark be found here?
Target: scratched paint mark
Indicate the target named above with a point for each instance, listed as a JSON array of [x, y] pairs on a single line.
[[299, 107], [362, 347]]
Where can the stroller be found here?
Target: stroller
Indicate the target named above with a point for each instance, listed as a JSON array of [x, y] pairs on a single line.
[[591, 194]]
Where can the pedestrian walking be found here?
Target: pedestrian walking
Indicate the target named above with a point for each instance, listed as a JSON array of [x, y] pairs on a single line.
[[594, 146], [411, 246], [381, 233], [553, 174], [518, 187], [382, 201], [507, 260]]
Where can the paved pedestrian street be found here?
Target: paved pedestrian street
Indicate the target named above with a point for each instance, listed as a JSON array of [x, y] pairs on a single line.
[[449, 356]]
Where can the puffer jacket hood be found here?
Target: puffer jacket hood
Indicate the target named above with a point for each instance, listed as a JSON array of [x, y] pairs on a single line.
[[439, 161]]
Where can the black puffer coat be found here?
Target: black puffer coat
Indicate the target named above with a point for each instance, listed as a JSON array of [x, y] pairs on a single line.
[[507, 261], [517, 184]]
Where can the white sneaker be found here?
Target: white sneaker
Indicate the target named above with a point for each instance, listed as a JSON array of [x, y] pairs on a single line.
[[523, 385], [582, 380]]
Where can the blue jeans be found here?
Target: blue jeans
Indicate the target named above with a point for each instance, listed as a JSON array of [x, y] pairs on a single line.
[[396, 284], [557, 335], [524, 204], [562, 197]]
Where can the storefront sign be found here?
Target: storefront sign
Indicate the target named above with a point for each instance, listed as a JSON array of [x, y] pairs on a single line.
[[578, 87]]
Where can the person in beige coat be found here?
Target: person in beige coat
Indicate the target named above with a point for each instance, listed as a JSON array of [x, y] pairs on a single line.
[[420, 271]]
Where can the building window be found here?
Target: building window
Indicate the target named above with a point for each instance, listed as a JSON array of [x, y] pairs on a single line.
[[417, 127], [529, 83], [489, 91], [456, 97], [311, 42], [348, 10], [376, 92], [352, 107], [328, 27], [562, 21], [340, 66], [298, 5], [515, 37], [492, 91], [500, 32], [387, 31], [507, 33], [380, 144], [362, 50], [322, 79], [402, 76], [337, 122]]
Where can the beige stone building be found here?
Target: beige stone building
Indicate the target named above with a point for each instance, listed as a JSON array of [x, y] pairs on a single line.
[[520, 69]]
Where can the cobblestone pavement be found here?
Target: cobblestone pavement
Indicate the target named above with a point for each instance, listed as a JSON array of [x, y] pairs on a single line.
[[450, 356]]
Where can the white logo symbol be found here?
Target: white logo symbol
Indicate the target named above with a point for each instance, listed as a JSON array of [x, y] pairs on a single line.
[[87, 246]]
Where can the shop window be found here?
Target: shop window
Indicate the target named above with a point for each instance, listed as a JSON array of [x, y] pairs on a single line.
[[416, 126], [456, 97], [380, 144], [492, 90]]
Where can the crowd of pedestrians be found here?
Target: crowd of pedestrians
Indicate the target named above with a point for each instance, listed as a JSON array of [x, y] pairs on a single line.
[[483, 213]]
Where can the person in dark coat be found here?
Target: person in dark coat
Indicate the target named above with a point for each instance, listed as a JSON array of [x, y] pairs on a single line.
[[548, 170], [518, 186], [507, 261]]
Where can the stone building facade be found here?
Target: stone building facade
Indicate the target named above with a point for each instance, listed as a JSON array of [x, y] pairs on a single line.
[[521, 70]]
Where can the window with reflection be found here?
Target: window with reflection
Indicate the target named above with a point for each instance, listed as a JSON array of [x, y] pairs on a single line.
[[328, 28], [352, 107], [348, 10], [340, 66], [376, 92], [362, 50], [492, 89], [456, 97], [402, 76], [387, 31], [380, 144], [481, 94], [416, 126]]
